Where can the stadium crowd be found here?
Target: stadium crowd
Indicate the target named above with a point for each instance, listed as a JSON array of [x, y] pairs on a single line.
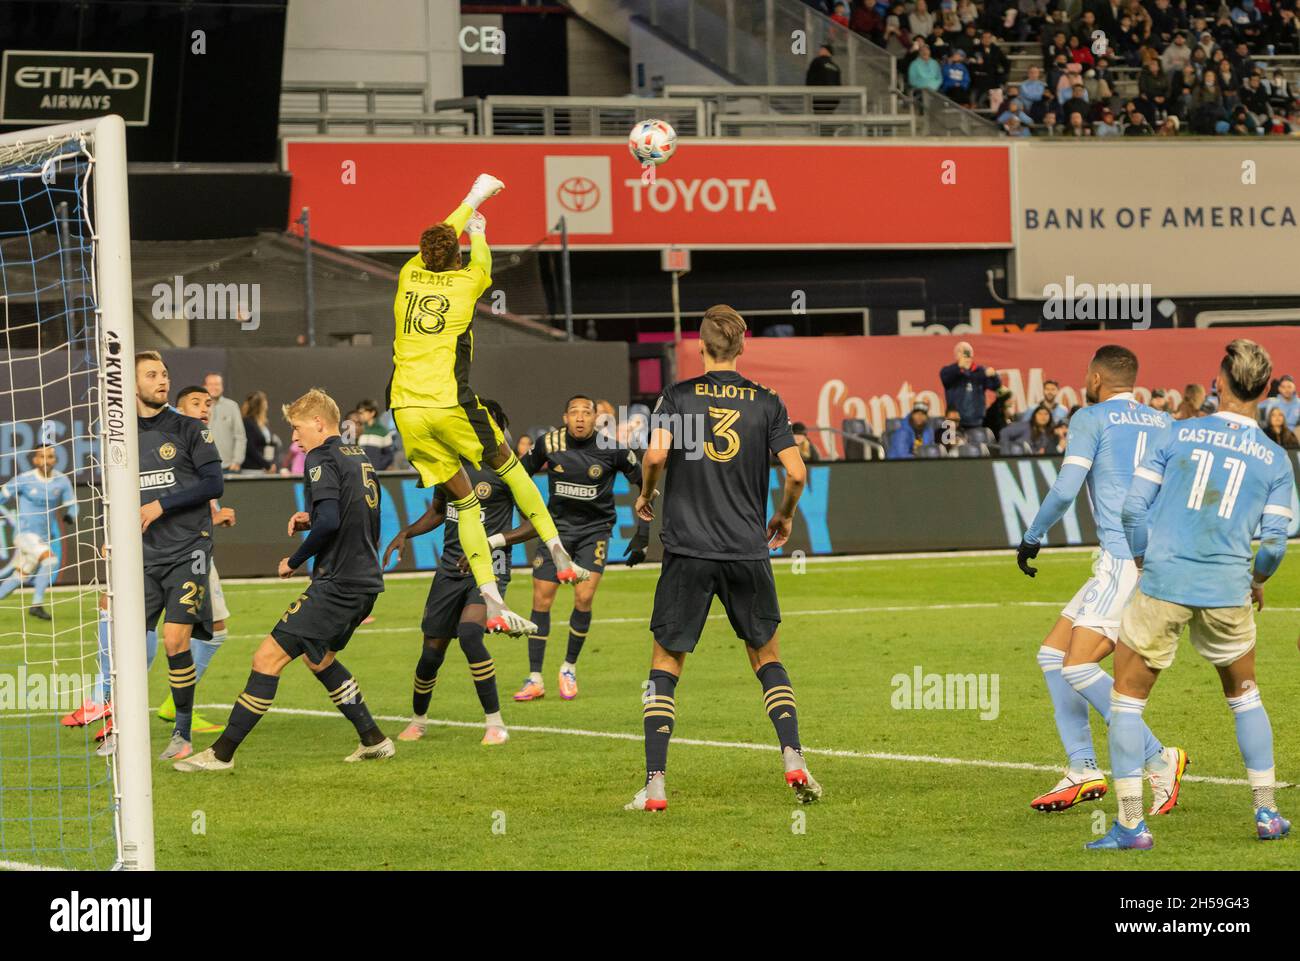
[[1103, 68]]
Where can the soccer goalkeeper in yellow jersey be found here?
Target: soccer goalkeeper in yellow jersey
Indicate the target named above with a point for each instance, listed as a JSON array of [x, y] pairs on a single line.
[[436, 410]]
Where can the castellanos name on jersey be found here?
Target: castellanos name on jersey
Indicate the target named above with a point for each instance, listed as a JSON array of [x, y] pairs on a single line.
[[1109, 441]]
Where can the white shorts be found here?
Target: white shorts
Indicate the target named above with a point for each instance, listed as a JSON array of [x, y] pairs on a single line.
[[219, 610], [29, 549], [1099, 604], [1151, 627]]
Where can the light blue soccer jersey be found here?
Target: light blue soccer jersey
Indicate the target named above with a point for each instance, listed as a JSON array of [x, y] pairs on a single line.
[[1195, 504], [37, 502], [1107, 442]]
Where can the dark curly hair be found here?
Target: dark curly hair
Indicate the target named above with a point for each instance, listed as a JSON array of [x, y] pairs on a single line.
[[440, 248]]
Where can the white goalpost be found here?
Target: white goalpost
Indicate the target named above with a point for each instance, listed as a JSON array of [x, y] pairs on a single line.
[[67, 386]]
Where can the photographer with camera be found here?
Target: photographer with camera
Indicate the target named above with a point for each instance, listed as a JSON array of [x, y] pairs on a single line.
[[965, 385]]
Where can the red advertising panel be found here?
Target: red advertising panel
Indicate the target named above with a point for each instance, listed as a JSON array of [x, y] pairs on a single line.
[[380, 194], [824, 380]]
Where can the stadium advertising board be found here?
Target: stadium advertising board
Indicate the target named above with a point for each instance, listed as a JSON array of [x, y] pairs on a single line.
[[847, 508], [724, 194], [51, 86], [1195, 221], [824, 380]]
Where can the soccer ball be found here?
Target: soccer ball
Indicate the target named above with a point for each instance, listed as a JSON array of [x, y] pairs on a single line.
[[652, 141]]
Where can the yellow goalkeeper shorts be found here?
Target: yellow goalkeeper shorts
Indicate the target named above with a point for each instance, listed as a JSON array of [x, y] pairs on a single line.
[[436, 438]]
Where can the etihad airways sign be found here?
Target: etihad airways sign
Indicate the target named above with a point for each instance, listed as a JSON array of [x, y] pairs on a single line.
[[52, 86]]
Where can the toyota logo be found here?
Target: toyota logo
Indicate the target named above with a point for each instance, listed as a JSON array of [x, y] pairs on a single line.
[[578, 194]]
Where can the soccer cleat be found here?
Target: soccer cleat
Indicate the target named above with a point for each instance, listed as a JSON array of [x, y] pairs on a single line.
[[568, 685], [495, 734], [797, 775], [86, 714], [177, 749], [415, 730], [167, 710], [1075, 788], [203, 761], [39, 612], [201, 725], [502, 620], [531, 691], [1270, 825], [375, 752], [1168, 781], [106, 730], [1120, 838], [652, 797]]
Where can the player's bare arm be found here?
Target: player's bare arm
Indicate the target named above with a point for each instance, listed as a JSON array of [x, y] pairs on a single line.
[[430, 520], [652, 470], [796, 476]]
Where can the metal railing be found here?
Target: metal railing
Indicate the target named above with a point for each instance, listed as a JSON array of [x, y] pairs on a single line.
[[815, 125], [374, 109], [721, 101], [937, 116], [587, 116], [772, 42]]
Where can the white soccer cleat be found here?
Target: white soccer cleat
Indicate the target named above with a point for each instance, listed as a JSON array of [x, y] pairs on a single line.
[[177, 749], [502, 620], [203, 761], [566, 571], [797, 775], [495, 734], [1167, 780], [485, 186], [415, 730], [652, 797], [375, 752]]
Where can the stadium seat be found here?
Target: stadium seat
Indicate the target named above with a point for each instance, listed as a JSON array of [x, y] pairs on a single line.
[[930, 451], [970, 450], [893, 423], [1013, 441], [979, 436], [855, 448]]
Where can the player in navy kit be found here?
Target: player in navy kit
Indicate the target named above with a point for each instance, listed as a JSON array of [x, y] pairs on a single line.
[[454, 607], [343, 537], [581, 467], [716, 537]]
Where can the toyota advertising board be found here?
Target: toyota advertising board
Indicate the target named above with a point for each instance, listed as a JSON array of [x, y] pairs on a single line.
[[376, 194]]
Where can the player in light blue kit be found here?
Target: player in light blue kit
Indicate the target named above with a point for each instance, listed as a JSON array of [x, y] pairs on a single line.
[[1107, 441], [38, 495], [1213, 482]]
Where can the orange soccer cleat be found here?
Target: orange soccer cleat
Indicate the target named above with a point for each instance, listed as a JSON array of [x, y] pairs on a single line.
[[1075, 788], [88, 713], [531, 691]]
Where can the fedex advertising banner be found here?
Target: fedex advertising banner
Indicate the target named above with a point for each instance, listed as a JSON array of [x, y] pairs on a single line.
[[824, 380], [380, 194]]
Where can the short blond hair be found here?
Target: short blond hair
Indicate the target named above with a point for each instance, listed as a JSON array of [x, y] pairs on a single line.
[[314, 403], [723, 332], [144, 355], [1247, 367]]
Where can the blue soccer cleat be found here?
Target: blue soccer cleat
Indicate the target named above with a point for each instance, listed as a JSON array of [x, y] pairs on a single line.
[[1120, 838], [1270, 825]]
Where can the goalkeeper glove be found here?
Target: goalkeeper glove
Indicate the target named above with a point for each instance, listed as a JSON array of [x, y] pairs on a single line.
[[636, 546], [1024, 554], [485, 186], [476, 224]]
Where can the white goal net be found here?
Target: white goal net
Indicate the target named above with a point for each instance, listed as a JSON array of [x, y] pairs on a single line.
[[74, 780]]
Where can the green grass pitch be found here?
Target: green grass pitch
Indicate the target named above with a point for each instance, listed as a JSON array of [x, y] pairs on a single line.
[[552, 797]]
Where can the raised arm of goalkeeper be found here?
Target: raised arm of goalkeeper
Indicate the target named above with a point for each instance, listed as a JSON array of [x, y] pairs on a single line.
[[467, 219]]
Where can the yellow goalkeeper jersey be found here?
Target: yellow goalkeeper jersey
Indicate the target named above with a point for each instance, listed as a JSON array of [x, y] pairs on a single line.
[[433, 343]]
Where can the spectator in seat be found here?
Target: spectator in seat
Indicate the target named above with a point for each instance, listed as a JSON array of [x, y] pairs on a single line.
[[1042, 439], [1153, 91], [1106, 126], [225, 422], [989, 65], [1159, 400], [956, 79], [523, 445], [864, 19], [1254, 98], [1285, 401], [1051, 393], [1014, 111], [1164, 23], [259, 442], [1241, 123], [806, 449], [823, 71], [1077, 126], [1032, 90], [965, 385], [1135, 122], [1208, 115], [1283, 32], [924, 73], [920, 21], [1048, 127], [1193, 399], [1176, 55], [1278, 431], [295, 460], [1078, 102], [951, 433], [841, 14], [1062, 431], [1001, 412], [1080, 53], [375, 439], [917, 432]]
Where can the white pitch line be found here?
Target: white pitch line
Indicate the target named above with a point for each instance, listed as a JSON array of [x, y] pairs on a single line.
[[745, 745], [20, 866]]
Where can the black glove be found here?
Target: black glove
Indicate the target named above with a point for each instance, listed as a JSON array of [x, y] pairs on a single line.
[[637, 545], [1025, 553]]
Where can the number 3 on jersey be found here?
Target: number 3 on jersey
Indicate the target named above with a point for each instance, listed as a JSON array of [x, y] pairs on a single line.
[[724, 422]]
